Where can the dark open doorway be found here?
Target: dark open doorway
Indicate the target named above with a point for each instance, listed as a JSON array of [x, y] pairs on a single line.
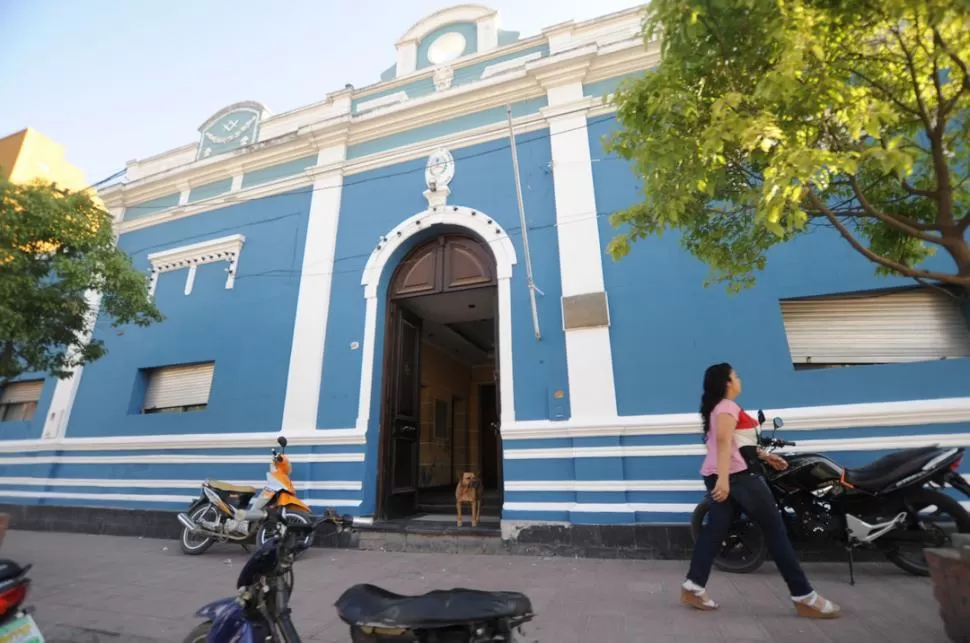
[[439, 416]]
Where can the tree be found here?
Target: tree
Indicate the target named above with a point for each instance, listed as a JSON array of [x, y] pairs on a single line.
[[765, 118], [55, 247]]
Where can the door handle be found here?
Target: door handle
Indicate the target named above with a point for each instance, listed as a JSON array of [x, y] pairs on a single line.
[[408, 429]]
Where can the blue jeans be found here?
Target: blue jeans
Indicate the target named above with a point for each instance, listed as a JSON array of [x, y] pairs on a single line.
[[750, 492]]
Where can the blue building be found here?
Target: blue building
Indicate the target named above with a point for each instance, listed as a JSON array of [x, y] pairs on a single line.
[[355, 274]]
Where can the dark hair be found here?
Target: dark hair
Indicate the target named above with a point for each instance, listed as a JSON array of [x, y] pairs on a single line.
[[716, 379]]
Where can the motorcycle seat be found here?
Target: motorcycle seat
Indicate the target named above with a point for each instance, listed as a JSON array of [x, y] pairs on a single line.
[[368, 605], [231, 488], [886, 470], [10, 569]]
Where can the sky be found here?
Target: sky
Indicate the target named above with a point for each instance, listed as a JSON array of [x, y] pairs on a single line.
[[116, 80]]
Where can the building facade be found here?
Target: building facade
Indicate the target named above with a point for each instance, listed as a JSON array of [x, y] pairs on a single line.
[[356, 275]]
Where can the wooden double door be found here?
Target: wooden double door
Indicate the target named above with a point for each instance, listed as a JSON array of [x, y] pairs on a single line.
[[446, 264]]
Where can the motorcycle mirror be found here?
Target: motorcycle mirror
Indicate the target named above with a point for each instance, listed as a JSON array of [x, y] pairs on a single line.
[[778, 422], [761, 416], [282, 441]]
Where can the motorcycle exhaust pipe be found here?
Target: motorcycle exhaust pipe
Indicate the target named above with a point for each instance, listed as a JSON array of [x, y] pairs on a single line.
[[188, 523]]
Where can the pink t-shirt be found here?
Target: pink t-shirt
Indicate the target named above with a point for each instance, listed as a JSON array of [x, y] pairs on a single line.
[[709, 467]]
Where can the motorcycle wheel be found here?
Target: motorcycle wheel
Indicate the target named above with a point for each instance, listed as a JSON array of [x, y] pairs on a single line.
[[914, 562], [199, 634], [293, 516], [743, 551], [190, 547]]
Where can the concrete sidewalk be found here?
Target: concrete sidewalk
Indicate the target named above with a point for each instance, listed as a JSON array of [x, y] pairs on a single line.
[[100, 589]]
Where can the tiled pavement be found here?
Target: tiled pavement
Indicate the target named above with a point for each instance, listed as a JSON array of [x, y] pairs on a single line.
[[100, 589]]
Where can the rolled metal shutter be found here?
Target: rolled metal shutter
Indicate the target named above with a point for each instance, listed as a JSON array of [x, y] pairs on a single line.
[[19, 392], [899, 326], [176, 386]]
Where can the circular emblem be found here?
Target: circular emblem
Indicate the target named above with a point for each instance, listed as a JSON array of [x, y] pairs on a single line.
[[440, 169]]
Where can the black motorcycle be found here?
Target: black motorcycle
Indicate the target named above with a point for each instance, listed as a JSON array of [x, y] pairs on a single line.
[[260, 610], [877, 506]]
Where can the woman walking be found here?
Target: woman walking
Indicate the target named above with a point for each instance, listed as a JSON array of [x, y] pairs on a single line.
[[732, 481]]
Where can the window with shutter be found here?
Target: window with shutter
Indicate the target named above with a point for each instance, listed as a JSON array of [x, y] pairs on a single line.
[[912, 325], [18, 400], [177, 389]]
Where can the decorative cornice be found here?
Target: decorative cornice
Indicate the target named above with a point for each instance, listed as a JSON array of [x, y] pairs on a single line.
[[570, 66], [221, 249], [587, 63]]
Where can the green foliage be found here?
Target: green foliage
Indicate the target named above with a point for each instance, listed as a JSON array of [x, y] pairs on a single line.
[[766, 118], [56, 246]]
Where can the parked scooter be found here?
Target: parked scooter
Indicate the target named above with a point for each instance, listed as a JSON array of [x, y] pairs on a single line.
[[260, 610], [233, 513], [878, 505], [16, 623]]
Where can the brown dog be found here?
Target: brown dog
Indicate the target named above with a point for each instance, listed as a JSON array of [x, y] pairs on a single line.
[[469, 490]]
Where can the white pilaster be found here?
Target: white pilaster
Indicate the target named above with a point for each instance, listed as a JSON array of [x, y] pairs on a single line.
[[589, 358], [65, 390], [313, 303]]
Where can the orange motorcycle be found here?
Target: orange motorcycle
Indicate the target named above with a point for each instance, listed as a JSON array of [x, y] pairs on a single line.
[[226, 512]]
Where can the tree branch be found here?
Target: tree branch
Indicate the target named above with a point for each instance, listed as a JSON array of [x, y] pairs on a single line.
[[911, 65], [956, 59], [908, 226], [888, 94], [901, 268]]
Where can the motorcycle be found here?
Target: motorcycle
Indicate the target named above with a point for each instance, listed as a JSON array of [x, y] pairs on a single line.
[[226, 512], [875, 506], [16, 623], [260, 610]]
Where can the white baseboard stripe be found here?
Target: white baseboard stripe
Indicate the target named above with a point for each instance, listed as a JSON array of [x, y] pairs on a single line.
[[807, 418], [611, 507], [842, 416], [122, 483], [620, 486], [181, 459], [147, 497], [846, 444]]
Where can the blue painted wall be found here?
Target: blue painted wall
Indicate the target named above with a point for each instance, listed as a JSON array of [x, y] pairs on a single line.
[[246, 330], [666, 328], [33, 428], [483, 181]]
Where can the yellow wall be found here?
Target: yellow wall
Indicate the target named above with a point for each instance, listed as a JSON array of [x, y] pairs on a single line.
[[28, 155], [442, 378]]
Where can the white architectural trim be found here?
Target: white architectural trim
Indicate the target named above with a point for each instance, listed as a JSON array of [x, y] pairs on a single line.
[[126, 483], [381, 101], [612, 507], [459, 13], [947, 410], [504, 252], [804, 446], [146, 497], [313, 302], [593, 486], [589, 353], [497, 69], [226, 248], [604, 62], [163, 458], [604, 507], [65, 390], [954, 410]]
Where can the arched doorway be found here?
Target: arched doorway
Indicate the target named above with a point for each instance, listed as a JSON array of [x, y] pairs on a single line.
[[439, 411]]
